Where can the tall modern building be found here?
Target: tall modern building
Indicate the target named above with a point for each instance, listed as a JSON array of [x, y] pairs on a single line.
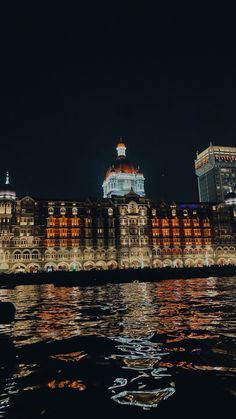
[[122, 176], [215, 168]]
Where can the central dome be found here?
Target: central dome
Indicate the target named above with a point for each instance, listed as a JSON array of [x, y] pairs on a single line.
[[121, 165], [122, 175]]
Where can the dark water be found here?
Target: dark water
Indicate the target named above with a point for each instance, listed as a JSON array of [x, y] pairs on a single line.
[[138, 350]]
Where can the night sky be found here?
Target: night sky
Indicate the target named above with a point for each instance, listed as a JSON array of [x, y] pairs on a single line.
[[70, 85]]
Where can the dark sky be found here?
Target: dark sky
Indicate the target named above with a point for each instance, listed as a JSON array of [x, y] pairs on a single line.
[[70, 85]]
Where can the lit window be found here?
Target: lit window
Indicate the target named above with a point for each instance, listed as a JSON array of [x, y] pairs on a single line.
[[50, 210], [74, 211], [110, 211], [63, 210]]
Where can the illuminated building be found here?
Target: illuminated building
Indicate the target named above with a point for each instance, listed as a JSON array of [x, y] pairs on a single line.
[[215, 168], [79, 235], [128, 231], [122, 176], [182, 235]]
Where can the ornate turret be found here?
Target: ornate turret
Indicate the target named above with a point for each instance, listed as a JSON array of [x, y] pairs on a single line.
[[121, 149], [7, 192]]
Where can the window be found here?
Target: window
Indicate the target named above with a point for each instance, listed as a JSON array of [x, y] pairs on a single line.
[[74, 211], [50, 232], [63, 222], [63, 232], [75, 221], [155, 222], [63, 243], [132, 207], [156, 242], [75, 242], [63, 211], [26, 255], [50, 243], [110, 211], [74, 232], [51, 222], [50, 210]]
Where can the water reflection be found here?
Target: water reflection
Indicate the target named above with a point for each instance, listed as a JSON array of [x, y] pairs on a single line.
[[141, 356], [154, 333]]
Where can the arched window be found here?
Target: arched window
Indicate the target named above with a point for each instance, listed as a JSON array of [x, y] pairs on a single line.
[[110, 211], [26, 255], [17, 255], [132, 207], [35, 254], [50, 210], [63, 211]]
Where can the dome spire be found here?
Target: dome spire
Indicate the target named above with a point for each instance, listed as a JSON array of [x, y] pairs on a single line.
[[121, 149], [7, 182]]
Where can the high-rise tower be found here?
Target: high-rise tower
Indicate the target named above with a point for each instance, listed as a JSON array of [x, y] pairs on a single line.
[[122, 176], [215, 168]]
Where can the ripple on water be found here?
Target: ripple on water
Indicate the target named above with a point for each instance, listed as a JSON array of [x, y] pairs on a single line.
[[144, 345]]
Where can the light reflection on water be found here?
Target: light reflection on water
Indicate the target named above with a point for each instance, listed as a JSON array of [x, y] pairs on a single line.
[[158, 331]]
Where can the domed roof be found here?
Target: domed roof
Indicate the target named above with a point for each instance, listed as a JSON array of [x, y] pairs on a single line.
[[121, 164], [6, 187], [6, 190]]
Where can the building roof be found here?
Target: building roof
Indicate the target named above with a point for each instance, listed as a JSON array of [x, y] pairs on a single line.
[[121, 165], [6, 187]]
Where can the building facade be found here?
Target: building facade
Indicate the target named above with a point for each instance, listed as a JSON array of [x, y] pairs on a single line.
[[215, 168], [123, 230]]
